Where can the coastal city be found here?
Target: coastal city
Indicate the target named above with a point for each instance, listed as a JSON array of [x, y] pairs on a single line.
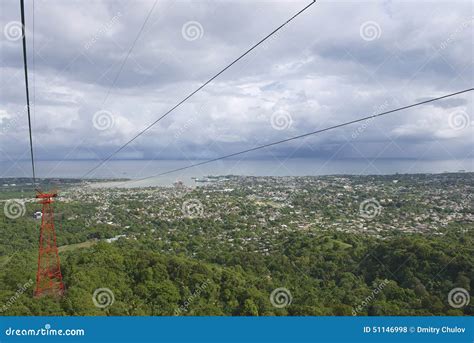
[[255, 212], [408, 236]]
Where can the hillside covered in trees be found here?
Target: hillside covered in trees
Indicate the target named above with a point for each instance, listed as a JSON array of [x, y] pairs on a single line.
[[251, 239], [326, 275]]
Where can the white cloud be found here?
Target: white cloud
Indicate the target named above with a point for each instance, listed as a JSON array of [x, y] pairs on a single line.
[[318, 69]]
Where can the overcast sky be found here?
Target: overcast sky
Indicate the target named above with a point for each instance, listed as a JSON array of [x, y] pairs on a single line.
[[338, 61]]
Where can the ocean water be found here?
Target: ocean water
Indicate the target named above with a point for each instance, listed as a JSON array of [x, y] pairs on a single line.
[[137, 169]]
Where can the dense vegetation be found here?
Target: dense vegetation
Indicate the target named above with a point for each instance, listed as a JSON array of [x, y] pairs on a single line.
[[191, 272], [327, 275]]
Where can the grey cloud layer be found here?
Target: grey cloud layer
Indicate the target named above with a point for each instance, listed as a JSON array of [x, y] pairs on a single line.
[[321, 70]]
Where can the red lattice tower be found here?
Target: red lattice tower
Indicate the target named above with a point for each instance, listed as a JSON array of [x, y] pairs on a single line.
[[49, 280]]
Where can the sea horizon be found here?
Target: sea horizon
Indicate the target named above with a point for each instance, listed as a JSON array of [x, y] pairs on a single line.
[[138, 169]]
